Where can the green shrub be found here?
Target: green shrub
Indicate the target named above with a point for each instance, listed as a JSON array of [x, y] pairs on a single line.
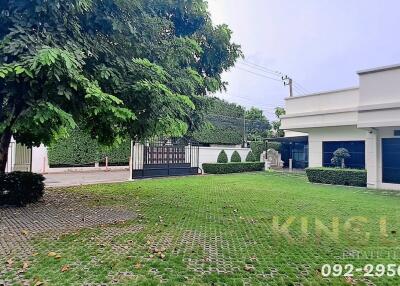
[[337, 176], [274, 145], [235, 158], [258, 147], [222, 157], [21, 188], [232, 167], [250, 157]]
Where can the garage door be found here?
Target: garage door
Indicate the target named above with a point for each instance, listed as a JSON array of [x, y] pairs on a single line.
[[391, 160]]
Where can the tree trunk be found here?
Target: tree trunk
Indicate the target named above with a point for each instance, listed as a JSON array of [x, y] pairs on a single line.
[[5, 139]]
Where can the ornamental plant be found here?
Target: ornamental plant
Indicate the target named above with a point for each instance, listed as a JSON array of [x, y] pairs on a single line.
[[235, 158], [339, 157], [250, 157], [222, 157]]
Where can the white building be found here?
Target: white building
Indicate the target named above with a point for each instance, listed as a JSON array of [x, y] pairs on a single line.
[[364, 119]]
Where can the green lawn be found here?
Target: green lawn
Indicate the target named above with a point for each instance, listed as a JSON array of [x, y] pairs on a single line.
[[219, 230]]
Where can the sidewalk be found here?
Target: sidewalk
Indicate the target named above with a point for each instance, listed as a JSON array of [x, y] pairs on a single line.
[[85, 178]]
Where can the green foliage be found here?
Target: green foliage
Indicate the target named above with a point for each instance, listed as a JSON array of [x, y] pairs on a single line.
[[116, 68], [21, 188], [216, 135], [228, 168], [250, 157], [274, 145], [79, 149], [257, 125], [339, 157], [222, 157], [117, 155], [337, 176], [276, 125], [235, 158], [223, 123], [258, 147], [221, 107]]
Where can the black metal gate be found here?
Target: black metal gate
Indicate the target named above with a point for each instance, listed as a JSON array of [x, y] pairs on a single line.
[[165, 157]]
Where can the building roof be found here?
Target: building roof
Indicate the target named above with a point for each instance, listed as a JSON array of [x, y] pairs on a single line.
[[379, 69], [324, 92], [289, 139]]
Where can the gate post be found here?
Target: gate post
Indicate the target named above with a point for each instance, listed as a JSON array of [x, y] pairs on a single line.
[[131, 162]]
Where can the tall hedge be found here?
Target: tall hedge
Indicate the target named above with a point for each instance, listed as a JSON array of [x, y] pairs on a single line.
[[79, 149], [225, 123], [116, 155]]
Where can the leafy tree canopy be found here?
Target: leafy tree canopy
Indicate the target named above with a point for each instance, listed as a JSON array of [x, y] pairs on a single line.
[[276, 125], [223, 123], [257, 125], [114, 67]]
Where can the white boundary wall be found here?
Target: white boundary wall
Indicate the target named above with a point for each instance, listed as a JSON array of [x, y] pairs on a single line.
[[210, 154], [40, 164], [40, 161]]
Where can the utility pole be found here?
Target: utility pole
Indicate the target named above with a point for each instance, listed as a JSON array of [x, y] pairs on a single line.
[[287, 81]]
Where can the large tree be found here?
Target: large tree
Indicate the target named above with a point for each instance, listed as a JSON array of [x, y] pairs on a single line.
[[257, 125], [114, 67]]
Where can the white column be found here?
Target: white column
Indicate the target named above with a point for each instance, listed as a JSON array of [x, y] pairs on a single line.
[[315, 152], [371, 158]]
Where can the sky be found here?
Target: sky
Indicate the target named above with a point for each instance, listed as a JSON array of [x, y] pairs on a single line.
[[321, 44]]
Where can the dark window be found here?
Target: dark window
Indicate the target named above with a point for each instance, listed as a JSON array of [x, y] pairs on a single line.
[[391, 160], [397, 133], [298, 151], [355, 148]]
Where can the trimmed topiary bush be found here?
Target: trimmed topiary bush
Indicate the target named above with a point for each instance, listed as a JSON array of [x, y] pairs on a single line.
[[250, 157], [235, 158], [258, 147], [337, 176], [21, 188], [233, 168], [222, 157], [339, 157]]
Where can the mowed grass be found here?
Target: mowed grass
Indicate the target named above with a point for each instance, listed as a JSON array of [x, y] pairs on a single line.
[[219, 230]]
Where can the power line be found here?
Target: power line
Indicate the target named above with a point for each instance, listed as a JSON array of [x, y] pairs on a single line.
[[258, 74], [302, 89], [263, 67], [299, 86], [260, 69]]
